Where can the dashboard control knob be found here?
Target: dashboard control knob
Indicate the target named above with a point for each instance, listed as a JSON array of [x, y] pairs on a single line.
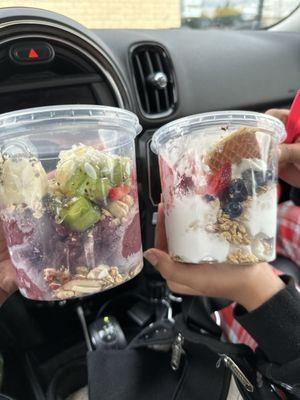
[[158, 79]]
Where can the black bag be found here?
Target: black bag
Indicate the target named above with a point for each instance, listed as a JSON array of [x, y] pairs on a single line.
[[173, 362]]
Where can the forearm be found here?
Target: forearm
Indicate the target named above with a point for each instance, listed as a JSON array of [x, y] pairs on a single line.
[[274, 324], [258, 285]]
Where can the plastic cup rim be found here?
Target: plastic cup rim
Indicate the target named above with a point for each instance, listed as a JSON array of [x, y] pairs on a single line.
[[11, 120], [233, 116]]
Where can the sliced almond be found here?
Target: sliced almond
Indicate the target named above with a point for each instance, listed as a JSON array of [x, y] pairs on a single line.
[[99, 272], [118, 209], [127, 199], [82, 283], [85, 290], [64, 294], [81, 270]]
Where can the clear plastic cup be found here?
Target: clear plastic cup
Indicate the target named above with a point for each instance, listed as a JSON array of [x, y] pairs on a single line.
[[219, 182], [68, 198]]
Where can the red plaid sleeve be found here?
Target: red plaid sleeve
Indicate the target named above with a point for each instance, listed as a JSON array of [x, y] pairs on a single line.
[[288, 242], [233, 331]]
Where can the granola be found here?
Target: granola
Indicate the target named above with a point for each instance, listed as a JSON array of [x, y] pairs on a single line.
[[242, 257], [234, 231]]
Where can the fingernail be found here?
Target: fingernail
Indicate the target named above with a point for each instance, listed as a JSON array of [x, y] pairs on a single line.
[[151, 257]]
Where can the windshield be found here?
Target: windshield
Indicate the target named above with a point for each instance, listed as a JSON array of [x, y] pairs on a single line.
[[157, 14]]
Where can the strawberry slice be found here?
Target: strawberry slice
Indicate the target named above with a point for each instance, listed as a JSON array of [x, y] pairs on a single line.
[[117, 192], [219, 181]]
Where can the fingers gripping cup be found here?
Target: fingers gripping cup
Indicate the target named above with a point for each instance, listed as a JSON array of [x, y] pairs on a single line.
[[68, 197], [219, 181]]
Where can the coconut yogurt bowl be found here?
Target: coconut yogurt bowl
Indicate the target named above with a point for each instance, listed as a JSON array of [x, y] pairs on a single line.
[[219, 184], [68, 198]]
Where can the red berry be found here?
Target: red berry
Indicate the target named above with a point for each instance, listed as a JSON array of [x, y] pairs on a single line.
[[116, 193], [186, 184], [219, 181]]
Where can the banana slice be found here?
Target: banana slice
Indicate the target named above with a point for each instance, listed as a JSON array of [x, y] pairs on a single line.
[[23, 181]]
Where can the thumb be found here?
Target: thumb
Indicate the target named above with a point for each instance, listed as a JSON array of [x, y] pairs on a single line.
[[9, 284], [289, 153], [168, 268]]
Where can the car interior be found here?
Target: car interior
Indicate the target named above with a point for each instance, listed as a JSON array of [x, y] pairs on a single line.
[[160, 75]]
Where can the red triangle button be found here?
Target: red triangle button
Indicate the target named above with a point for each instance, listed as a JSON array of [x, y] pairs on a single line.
[[33, 54]]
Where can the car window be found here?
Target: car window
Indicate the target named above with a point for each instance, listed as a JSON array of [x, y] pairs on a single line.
[[157, 14]]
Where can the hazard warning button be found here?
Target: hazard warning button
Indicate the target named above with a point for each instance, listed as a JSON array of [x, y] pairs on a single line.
[[31, 52]]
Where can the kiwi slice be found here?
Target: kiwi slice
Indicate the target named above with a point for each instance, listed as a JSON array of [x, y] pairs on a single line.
[[121, 170], [95, 190], [80, 214], [72, 184]]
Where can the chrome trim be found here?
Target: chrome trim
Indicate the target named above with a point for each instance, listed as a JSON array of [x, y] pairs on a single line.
[[79, 35]]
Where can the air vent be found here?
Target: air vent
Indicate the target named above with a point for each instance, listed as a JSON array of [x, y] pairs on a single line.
[[154, 80]]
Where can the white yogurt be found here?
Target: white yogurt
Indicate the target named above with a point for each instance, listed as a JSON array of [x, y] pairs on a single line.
[[264, 141], [187, 237], [263, 213], [247, 163]]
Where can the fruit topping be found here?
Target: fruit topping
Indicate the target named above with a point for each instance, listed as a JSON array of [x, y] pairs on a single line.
[[94, 189], [255, 179], [79, 214], [270, 176], [237, 190], [232, 209], [23, 181], [249, 180], [209, 198], [70, 187], [116, 193], [218, 182], [259, 177], [186, 184], [121, 171]]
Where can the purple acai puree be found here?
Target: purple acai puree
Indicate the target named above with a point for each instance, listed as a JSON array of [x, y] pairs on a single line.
[[127, 250], [31, 290], [17, 226], [132, 237], [39, 243]]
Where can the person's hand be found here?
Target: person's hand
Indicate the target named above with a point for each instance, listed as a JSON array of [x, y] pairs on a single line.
[[289, 156], [249, 286], [7, 272]]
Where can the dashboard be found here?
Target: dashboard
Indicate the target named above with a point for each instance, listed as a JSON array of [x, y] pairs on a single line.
[[160, 75]]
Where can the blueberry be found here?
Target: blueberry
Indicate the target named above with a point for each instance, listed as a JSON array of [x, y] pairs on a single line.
[[209, 198], [270, 176], [248, 178], [259, 177], [233, 209], [238, 190]]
